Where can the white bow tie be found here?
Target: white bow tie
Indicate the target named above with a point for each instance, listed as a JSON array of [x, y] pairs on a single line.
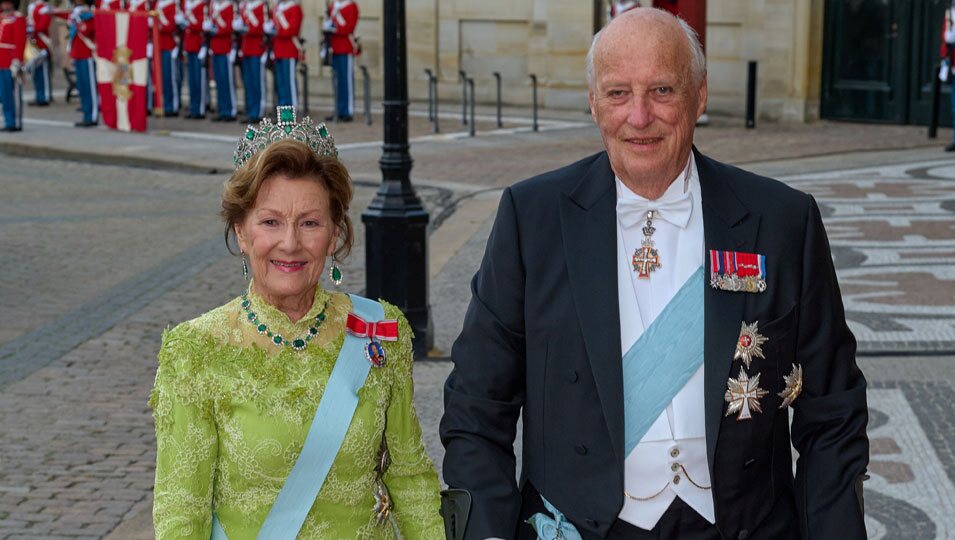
[[633, 212]]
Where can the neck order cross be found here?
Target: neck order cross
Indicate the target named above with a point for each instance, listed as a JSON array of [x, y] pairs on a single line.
[[646, 259]]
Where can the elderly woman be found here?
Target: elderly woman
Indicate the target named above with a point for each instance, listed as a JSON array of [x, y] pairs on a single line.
[[287, 413]]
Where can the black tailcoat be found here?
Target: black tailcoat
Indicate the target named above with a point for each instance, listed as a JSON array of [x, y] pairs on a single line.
[[542, 336]]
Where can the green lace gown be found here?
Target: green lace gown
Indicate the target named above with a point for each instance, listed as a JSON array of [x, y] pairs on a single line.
[[232, 411]]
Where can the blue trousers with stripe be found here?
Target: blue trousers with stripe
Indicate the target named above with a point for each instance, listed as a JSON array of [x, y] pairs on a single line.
[[41, 78], [197, 84], [344, 66], [225, 85], [170, 83], [86, 86], [12, 96], [253, 79], [286, 90]]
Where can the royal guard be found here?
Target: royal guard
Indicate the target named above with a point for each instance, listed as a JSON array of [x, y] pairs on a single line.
[[39, 17], [82, 46], [145, 6], [339, 28], [947, 54], [194, 44], [251, 27], [166, 16], [13, 41], [219, 27], [285, 26]]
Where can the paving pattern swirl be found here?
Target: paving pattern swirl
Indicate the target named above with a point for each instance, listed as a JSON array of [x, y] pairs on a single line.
[[892, 231]]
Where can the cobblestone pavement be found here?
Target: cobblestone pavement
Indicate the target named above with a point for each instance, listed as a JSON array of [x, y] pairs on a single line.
[[105, 257], [892, 231]]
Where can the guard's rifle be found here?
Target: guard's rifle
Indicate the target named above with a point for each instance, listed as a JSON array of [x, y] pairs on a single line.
[[267, 39]]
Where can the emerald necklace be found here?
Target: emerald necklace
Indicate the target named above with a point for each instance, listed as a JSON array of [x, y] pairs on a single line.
[[278, 340]]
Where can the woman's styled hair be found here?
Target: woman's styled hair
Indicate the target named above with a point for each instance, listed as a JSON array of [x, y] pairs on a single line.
[[292, 159]]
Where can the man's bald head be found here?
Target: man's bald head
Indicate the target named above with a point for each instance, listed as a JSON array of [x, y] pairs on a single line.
[[649, 23]]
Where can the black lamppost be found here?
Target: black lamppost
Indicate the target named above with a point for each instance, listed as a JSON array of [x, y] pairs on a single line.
[[396, 223]]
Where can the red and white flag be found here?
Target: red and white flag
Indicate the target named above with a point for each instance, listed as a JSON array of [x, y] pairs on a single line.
[[122, 68]]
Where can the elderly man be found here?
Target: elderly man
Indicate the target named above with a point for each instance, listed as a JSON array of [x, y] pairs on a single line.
[[654, 314]]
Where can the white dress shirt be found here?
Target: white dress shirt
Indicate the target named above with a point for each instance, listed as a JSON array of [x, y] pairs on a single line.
[[670, 459]]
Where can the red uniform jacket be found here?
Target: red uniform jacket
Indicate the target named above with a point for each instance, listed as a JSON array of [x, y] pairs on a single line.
[[166, 10], [39, 17], [221, 13], [193, 38], [345, 17], [83, 32], [253, 16], [13, 38], [288, 21]]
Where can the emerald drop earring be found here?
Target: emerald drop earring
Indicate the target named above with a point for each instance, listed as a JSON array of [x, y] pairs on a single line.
[[335, 273]]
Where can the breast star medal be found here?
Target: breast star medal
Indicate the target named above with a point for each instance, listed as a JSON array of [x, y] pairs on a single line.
[[743, 395], [793, 387], [750, 343], [646, 259]]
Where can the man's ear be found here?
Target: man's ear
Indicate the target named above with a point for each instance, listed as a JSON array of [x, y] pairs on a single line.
[[703, 96], [592, 98]]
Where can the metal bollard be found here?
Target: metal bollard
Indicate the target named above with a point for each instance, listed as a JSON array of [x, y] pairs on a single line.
[[430, 75], [436, 127], [473, 126], [366, 87], [534, 102], [464, 96], [751, 96], [497, 75], [936, 99]]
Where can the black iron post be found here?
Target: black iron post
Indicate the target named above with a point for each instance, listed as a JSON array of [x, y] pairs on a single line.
[[396, 223], [473, 126], [751, 96], [497, 75], [936, 102], [366, 88], [464, 96], [534, 98], [430, 75], [437, 98], [303, 70]]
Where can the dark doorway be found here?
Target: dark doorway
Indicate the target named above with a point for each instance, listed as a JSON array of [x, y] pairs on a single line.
[[879, 59]]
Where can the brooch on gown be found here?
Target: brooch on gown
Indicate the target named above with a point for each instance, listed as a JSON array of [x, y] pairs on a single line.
[[376, 332], [383, 504]]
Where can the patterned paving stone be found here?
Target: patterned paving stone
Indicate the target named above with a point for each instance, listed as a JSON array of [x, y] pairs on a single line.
[[892, 230]]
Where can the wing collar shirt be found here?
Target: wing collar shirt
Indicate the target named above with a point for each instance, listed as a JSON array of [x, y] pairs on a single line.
[[670, 460]]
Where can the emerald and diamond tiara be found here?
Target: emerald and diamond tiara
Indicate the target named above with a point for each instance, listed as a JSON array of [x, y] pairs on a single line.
[[286, 127]]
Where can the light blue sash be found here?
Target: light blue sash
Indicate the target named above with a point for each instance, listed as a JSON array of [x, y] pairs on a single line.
[[325, 437], [661, 362], [655, 369]]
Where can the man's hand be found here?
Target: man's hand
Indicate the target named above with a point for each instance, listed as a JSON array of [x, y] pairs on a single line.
[[269, 28], [238, 26], [329, 26]]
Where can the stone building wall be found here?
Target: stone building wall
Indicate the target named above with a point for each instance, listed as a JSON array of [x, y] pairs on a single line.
[[550, 38]]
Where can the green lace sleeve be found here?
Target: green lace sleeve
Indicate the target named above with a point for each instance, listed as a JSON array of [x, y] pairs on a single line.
[[411, 478], [186, 439]]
